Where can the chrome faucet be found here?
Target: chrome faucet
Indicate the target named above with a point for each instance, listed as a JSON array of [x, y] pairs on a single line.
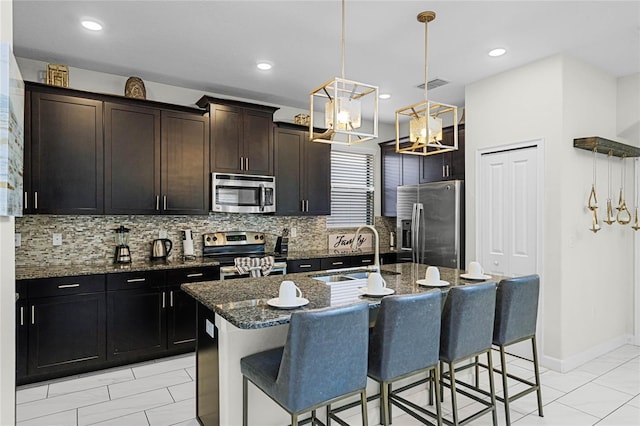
[[376, 260]]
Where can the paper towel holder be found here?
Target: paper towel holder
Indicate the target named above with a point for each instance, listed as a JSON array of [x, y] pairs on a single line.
[[187, 245]]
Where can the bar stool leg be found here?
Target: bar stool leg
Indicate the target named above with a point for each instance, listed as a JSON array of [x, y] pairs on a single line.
[[537, 373], [328, 416], [294, 420], [363, 401], [245, 416], [477, 368], [436, 385], [492, 388], [503, 361], [454, 401]]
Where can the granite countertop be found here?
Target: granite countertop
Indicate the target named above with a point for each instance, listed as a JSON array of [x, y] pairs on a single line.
[[243, 302], [53, 271], [45, 271], [314, 254]]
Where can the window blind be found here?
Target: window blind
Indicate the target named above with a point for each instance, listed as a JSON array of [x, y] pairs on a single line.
[[351, 189]]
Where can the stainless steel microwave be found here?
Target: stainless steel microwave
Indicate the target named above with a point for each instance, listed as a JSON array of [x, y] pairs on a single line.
[[233, 193]]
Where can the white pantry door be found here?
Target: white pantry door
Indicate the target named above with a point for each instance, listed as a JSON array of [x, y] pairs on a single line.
[[508, 212]]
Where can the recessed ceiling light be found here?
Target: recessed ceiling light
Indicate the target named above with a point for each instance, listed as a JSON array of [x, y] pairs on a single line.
[[385, 95], [91, 25], [497, 52], [264, 66]]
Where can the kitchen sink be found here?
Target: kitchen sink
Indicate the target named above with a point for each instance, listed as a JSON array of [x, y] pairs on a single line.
[[347, 276]]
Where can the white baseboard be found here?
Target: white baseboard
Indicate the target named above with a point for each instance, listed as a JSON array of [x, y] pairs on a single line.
[[567, 364]]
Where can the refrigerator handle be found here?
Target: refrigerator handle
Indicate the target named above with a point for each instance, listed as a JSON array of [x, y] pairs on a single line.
[[414, 233], [417, 248]]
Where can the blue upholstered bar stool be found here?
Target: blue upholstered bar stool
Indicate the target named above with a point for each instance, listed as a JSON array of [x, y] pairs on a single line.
[[467, 329], [405, 342], [515, 321], [323, 360]]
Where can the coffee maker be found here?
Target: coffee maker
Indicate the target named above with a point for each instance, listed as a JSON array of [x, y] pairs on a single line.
[[123, 255]]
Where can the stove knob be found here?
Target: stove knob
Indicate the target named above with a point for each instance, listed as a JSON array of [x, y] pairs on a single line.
[[262, 237], [208, 239], [215, 238], [255, 237]]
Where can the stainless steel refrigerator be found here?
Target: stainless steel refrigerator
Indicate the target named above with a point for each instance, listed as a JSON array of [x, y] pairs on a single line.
[[430, 222]]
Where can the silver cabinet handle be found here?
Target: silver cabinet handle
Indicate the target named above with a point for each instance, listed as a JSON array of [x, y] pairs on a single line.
[[164, 202], [444, 173], [163, 299], [33, 315], [304, 266], [35, 200], [199, 274], [306, 204], [337, 263], [21, 315], [365, 261], [157, 202], [301, 205], [241, 163], [171, 298], [136, 280], [26, 200], [246, 163], [68, 285]]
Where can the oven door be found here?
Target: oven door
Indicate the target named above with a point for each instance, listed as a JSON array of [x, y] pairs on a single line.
[[243, 193]]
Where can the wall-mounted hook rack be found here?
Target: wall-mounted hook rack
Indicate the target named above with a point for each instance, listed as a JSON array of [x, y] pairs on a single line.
[[604, 146]]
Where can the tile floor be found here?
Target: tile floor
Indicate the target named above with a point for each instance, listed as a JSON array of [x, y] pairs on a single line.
[[605, 391]]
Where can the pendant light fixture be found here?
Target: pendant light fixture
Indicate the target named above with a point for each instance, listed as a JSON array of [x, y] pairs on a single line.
[[426, 118], [344, 102]]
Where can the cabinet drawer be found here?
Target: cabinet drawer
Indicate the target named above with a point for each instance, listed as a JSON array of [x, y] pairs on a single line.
[[335, 262], [303, 265], [363, 260], [130, 280], [47, 287], [195, 274]]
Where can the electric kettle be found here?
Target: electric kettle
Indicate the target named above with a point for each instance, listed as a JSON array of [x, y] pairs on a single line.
[[160, 249]]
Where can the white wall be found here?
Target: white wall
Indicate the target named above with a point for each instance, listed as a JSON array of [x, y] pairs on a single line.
[[587, 278], [7, 278], [628, 125]]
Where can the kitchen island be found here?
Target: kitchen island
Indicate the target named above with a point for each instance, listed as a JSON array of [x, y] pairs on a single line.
[[234, 320]]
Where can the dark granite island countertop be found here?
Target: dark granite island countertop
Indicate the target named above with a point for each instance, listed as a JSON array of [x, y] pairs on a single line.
[[243, 302]]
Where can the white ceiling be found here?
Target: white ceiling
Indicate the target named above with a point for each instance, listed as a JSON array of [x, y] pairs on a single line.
[[214, 45]]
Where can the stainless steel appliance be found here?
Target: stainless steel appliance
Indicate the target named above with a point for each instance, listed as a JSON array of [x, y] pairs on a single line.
[[226, 246], [161, 248], [123, 254], [233, 193], [430, 223]]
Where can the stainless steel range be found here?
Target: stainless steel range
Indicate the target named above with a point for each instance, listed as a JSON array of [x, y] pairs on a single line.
[[225, 247]]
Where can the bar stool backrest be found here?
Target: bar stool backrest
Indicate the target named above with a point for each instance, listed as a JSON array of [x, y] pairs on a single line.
[[516, 309], [406, 336], [467, 321], [325, 355]]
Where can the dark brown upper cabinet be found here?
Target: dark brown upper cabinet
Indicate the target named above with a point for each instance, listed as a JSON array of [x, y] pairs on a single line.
[[303, 173], [65, 151], [447, 166], [241, 136]]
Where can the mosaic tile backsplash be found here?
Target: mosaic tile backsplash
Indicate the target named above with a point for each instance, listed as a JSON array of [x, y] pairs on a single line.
[[91, 239]]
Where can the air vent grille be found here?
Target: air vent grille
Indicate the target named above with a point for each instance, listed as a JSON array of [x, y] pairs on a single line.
[[432, 84]]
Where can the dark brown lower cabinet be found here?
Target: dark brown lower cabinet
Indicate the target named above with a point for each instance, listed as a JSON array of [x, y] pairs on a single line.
[[66, 333], [181, 320], [136, 323]]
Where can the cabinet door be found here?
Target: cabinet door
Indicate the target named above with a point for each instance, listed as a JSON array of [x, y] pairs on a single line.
[[185, 169], [181, 320], [302, 265], [132, 159], [289, 158], [66, 154], [258, 142], [457, 165], [22, 321], [391, 179], [66, 333], [136, 323], [26, 162], [433, 168], [226, 138], [317, 177]]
